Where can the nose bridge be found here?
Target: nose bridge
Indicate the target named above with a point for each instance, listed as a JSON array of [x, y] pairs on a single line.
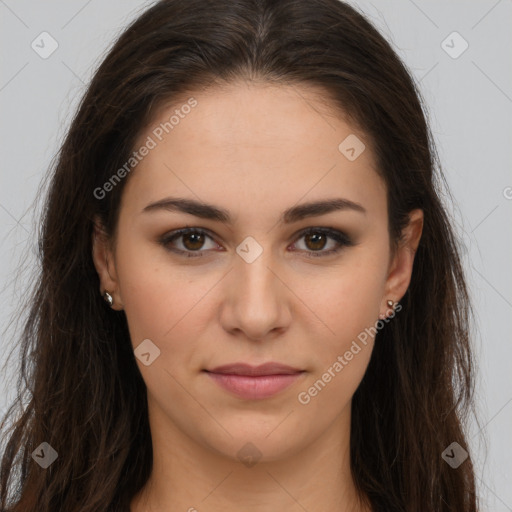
[[257, 297], [253, 271]]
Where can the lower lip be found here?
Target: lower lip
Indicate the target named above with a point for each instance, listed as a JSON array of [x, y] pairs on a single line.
[[254, 387]]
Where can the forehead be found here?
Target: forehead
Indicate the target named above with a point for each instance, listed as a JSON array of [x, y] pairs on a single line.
[[242, 114], [244, 141]]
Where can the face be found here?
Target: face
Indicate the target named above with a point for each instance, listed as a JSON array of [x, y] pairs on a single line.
[[261, 274]]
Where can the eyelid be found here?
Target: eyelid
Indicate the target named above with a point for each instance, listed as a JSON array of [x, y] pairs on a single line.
[[166, 239], [340, 237]]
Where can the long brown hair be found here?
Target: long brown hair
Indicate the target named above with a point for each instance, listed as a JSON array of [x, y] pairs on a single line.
[[87, 398]]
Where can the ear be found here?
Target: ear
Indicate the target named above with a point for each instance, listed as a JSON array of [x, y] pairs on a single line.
[[400, 268], [104, 262]]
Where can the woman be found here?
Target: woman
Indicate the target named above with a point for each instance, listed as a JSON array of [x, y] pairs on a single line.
[[253, 189]]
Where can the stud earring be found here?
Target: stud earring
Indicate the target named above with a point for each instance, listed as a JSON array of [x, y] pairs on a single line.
[[108, 298], [390, 304]]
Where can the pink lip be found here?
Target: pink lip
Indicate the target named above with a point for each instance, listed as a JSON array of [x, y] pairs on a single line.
[[263, 369], [254, 382]]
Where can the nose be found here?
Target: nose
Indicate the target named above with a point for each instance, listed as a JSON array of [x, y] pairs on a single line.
[[256, 300]]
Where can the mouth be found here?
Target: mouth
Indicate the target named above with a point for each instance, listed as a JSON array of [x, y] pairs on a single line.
[[254, 382]]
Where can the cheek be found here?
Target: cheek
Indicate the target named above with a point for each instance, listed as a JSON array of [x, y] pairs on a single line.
[[156, 300], [349, 305], [350, 308], [331, 390], [350, 301]]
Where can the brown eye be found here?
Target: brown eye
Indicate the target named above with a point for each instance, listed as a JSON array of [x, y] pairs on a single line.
[[193, 241], [315, 241], [188, 241]]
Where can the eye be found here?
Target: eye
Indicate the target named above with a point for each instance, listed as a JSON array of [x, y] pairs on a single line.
[[193, 241], [316, 240]]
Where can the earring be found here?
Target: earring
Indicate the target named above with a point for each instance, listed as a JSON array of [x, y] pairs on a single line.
[[390, 304], [108, 298]]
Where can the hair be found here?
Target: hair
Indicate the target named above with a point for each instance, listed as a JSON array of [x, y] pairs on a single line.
[[87, 398]]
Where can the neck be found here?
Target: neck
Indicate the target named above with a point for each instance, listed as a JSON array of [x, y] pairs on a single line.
[[190, 476]]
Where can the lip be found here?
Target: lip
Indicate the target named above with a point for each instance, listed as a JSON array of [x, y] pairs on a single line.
[[254, 382], [270, 368]]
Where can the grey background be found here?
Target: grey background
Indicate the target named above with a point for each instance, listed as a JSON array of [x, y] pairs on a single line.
[[469, 99]]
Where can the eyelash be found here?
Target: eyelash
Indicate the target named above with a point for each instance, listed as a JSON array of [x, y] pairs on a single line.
[[341, 238]]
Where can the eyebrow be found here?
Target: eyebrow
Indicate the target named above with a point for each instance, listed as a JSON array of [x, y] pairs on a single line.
[[215, 213]]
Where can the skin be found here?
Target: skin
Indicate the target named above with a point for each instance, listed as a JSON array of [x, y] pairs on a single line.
[[254, 150]]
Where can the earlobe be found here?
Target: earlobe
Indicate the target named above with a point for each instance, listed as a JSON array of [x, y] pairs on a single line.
[[103, 259]]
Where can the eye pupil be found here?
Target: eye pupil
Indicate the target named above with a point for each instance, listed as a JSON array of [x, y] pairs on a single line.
[[316, 237], [198, 238], [192, 242]]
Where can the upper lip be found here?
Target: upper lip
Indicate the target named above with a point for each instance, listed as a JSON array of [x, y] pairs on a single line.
[[247, 369]]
